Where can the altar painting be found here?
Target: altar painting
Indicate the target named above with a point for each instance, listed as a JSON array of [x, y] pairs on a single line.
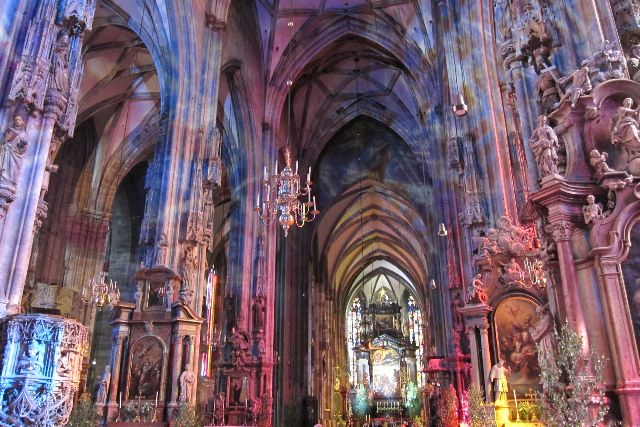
[[513, 318], [386, 373], [145, 369]]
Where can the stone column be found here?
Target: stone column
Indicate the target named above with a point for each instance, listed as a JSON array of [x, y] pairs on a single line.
[[116, 368], [486, 353], [46, 81], [177, 340], [473, 349], [571, 304], [476, 316], [619, 330]]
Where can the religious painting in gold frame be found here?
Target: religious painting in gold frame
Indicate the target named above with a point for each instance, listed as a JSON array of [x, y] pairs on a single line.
[[513, 318]]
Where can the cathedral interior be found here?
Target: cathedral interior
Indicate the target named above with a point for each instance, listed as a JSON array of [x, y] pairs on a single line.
[[319, 212]]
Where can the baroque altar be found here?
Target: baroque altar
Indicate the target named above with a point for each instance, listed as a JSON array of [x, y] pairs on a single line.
[[154, 348]]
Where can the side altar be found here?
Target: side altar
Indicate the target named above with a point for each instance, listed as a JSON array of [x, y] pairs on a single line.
[[153, 363]]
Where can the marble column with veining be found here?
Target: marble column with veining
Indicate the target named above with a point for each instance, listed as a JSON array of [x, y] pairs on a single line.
[[116, 369], [571, 305], [176, 367], [473, 350], [486, 354]]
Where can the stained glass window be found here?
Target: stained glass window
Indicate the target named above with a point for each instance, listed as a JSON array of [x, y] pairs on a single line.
[[415, 335]]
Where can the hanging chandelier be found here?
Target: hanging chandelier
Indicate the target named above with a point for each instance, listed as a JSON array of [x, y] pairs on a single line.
[[101, 294], [280, 193]]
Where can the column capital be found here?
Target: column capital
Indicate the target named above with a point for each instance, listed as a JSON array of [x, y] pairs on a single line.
[[561, 230]]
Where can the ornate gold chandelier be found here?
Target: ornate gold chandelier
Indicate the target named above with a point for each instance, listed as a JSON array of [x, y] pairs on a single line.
[[279, 193], [278, 197], [99, 293]]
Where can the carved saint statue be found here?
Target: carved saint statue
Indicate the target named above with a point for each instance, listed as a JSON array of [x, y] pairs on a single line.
[[255, 407], [457, 305], [161, 250], [580, 84], [542, 334], [60, 64], [138, 296], [592, 210], [477, 294], [512, 271], [64, 365], [624, 129], [103, 389], [633, 63], [544, 144], [218, 409], [187, 381], [30, 362], [498, 377], [189, 265], [547, 90], [259, 314], [599, 163], [12, 148]]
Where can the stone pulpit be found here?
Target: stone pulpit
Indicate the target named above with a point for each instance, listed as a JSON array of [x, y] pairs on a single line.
[[41, 364]]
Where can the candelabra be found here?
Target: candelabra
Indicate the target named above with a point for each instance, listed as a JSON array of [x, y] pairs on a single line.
[[280, 194], [100, 293]]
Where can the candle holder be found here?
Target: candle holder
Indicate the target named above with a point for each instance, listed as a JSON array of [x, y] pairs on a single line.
[[137, 418], [154, 419]]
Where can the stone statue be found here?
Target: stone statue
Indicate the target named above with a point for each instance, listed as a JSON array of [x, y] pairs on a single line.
[[498, 377], [592, 210], [103, 389], [599, 162], [633, 63], [542, 334], [161, 250], [138, 296], [547, 89], [580, 84], [544, 144], [255, 408], [239, 345], [477, 294], [624, 129], [168, 291], [30, 362], [512, 271], [259, 313], [457, 305], [189, 265], [187, 381], [60, 64], [606, 63], [64, 365], [218, 409], [13, 146]]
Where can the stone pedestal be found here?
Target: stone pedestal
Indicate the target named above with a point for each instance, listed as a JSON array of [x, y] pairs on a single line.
[[41, 364], [502, 413]]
